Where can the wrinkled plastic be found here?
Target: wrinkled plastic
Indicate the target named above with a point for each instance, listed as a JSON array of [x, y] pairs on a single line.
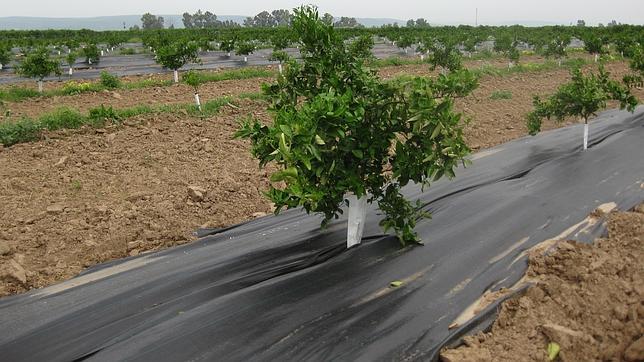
[[279, 288]]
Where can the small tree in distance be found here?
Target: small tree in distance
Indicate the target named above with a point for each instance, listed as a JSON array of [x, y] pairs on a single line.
[[245, 48], [194, 79], [70, 58], [91, 53], [583, 97], [176, 55], [227, 45], [39, 65], [5, 55]]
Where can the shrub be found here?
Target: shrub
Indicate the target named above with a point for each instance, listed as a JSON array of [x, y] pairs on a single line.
[[109, 81], [72, 87]]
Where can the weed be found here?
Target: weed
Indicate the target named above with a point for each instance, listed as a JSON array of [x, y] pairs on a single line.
[[76, 185], [110, 81], [501, 94]]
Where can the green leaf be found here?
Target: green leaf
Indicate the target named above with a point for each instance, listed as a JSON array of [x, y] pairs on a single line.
[[396, 284], [437, 131], [283, 147], [319, 140], [553, 350], [358, 153], [283, 175]]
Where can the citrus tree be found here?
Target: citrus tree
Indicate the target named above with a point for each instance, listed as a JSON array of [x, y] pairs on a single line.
[[5, 55], [70, 58], [342, 135], [91, 53], [594, 45], [582, 97], [194, 79], [38, 65], [227, 45], [245, 48], [636, 77], [177, 54]]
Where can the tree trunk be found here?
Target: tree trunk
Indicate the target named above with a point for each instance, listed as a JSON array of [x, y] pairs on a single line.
[[0, 66], [596, 57], [422, 57], [40, 86], [102, 53], [357, 219], [585, 134], [71, 71], [228, 54], [176, 76], [198, 101], [280, 68], [245, 59]]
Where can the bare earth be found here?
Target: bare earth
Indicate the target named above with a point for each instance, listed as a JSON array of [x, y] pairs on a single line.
[[82, 197], [589, 299]]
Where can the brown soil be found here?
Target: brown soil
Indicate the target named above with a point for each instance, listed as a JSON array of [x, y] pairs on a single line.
[[83, 197], [589, 299]]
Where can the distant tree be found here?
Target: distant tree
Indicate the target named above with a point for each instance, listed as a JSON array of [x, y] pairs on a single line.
[[5, 55], [149, 21], [594, 45], [229, 24], [582, 97], [194, 79], [612, 23], [245, 49], [38, 65], [71, 59], [411, 23], [422, 23], [176, 55], [581, 23], [282, 17], [346, 22], [261, 20], [556, 47], [91, 53], [405, 42], [227, 45], [636, 78], [327, 19], [200, 20]]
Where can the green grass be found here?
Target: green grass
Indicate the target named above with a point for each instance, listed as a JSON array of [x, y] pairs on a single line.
[[16, 94], [253, 96], [28, 129], [501, 94]]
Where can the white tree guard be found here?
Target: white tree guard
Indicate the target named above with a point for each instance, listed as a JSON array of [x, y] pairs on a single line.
[[279, 66], [176, 76], [245, 59], [102, 53], [198, 101], [585, 136], [0, 66], [71, 71], [357, 219], [40, 86]]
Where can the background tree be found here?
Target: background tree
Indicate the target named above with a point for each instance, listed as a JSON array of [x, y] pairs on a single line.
[[149, 21], [411, 23], [557, 47], [582, 97], [346, 22], [91, 53], [338, 129], [405, 42], [581, 23], [245, 48], [228, 45], [177, 54], [327, 19], [282, 17], [5, 55], [38, 65], [200, 20], [636, 78], [70, 58], [422, 23], [261, 20], [594, 45]]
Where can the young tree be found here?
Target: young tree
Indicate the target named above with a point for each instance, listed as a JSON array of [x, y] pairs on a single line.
[[405, 42], [70, 58], [91, 54], [594, 45], [39, 65], [245, 48], [281, 57], [176, 55], [636, 78], [582, 97], [194, 79], [445, 56], [5, 56], [339, 130], [556, 47], [228, 45]]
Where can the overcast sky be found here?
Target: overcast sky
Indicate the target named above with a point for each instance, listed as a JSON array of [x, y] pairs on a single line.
[[452, 11]]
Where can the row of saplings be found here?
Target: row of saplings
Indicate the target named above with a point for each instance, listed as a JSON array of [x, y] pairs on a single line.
[[341, 135]]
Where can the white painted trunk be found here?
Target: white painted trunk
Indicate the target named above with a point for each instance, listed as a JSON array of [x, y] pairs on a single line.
[[176, 76], [585, 135], [406, 50], [59, 52], [559, 62], [71, 71], [89, 61], [422, 57], [357, 219], [228, 54], [0, 66], [198, 101], [245, 59], [102, 53], [40, 86], [280, 68], [69, 51]]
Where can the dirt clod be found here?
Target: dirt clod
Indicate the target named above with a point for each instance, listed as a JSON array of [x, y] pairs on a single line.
[[196, 193], [635, 352]]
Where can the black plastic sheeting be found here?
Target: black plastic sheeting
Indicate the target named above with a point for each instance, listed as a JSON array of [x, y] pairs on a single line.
[[279, 288]]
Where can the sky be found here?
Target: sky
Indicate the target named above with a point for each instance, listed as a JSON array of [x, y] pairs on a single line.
[[437, 12]]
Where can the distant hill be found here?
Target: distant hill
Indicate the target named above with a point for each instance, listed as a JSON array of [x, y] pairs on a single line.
[[117, 22]]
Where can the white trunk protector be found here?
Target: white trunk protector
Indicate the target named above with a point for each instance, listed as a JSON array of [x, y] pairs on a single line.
[[176, 76], [198, 101], [585, 136], [357, 219]]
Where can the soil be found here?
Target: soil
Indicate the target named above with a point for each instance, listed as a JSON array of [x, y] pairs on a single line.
[[587, 298], [82, 197]]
